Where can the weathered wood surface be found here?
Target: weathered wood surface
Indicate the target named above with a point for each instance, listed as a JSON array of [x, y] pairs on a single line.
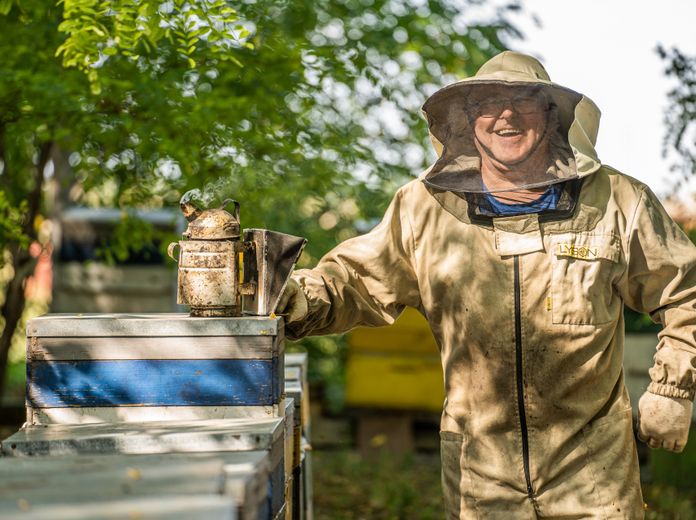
[[153, 382], [289, 433], [297, 389], [130, 414], [148, 438], [157, 362], [292, 373], [298, 481], [241, 476], [293, 390], [174, 324], [115, 439], [249, 483], [297, 446], [289, 427], [158, 347], [296, 367], [141, 368], [201, 507], [307, 480], [298, 360]]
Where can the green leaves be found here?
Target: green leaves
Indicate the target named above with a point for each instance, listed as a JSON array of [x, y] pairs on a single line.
[[12, 223], [86, 33], [280, 104], [6, 6], [100, 29], [680, 115]]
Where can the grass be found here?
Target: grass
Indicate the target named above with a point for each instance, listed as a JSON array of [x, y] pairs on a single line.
[[348, 487], [671, 492], [669, 502]]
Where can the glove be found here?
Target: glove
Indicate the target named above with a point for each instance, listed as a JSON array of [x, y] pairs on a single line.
[[293, 302], [663, 422]]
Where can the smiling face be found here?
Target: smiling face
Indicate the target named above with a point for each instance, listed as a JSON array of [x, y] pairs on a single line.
[[509, 123]]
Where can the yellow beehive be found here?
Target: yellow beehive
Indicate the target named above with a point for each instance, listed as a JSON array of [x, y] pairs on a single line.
[[396, 367]]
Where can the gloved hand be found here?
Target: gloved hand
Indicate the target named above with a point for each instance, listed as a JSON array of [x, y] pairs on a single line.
[[663, 422], [293, 302]]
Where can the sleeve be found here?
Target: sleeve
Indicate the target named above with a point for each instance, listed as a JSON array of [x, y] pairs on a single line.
[[661, 281], [367, 280]]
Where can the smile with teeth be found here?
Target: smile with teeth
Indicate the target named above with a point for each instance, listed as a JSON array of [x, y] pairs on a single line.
[[508, 132]]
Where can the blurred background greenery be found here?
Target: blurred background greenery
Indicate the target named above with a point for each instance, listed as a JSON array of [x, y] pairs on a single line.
[[307, 111]]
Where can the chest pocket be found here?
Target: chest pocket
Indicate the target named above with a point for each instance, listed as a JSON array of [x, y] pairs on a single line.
[[581, 282]]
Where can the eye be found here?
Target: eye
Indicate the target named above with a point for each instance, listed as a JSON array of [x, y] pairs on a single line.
[[528, 104], [489, 107]]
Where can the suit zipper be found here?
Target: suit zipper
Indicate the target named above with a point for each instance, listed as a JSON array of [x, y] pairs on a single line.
[[520, 380]]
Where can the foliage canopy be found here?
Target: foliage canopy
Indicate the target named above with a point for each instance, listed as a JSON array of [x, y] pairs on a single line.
[[307, 111]]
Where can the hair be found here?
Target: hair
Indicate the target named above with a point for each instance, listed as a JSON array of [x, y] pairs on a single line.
[[558, 136]]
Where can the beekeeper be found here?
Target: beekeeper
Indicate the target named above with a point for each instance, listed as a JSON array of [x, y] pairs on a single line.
[[521, 248]]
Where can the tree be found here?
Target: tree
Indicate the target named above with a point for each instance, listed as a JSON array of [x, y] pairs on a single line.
[[44, 107], [680, 116], [306, 111]]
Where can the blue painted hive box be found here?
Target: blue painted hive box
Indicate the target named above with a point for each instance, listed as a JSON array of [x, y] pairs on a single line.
[[86, 368]]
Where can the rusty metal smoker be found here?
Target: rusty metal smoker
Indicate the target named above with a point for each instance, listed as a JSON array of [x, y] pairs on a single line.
[[222, 275]]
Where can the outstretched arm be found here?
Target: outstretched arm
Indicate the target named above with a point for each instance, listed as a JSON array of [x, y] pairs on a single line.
[[367, 280]]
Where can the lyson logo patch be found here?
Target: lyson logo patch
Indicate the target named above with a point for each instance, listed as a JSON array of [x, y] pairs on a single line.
[[583, 252]]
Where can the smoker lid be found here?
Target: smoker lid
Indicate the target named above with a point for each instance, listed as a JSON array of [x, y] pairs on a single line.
[[212, 224]]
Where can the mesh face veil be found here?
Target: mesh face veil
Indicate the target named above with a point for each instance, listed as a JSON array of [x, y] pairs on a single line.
[[510, 110]]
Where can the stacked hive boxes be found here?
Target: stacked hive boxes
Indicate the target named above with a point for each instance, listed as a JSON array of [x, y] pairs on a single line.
[[297, 390], [158, 390], [215, 485]]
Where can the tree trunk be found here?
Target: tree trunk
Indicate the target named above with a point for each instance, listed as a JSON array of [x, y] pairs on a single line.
[[12, 309], [23, 264]]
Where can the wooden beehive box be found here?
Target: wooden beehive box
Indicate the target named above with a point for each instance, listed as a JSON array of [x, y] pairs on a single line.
[[166, 437], [289, 445], [297, 390], [297, 387], [152, 367], [247, 482], [166, 507], [38, 483], [396, 367]]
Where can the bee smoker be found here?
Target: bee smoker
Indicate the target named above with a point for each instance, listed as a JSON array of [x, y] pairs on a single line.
[[221, 274]]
